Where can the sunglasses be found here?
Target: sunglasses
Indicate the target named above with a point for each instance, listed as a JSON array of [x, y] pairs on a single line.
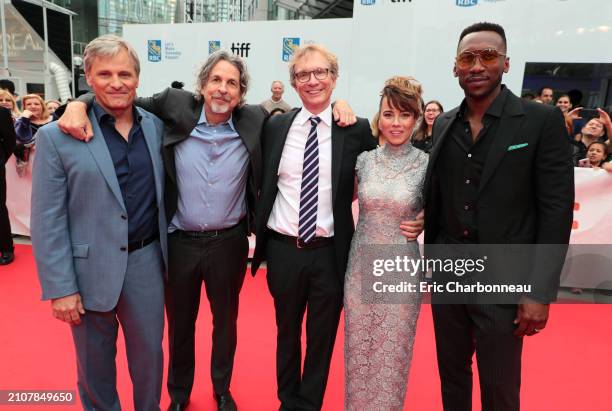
[[487, 57]]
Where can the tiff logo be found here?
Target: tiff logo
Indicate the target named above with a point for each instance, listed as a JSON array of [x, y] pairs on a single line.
[[241, 49]]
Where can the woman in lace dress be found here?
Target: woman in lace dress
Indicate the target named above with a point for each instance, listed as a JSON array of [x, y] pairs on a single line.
[[380, 326]]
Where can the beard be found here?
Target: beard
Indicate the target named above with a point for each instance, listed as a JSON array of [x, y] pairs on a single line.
[[219, 108]]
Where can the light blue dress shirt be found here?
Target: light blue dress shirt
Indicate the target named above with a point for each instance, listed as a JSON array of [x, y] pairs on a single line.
[[211, 170]]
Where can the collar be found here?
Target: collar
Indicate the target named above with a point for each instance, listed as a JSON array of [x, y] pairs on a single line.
[[495, 109], [102, 115], [304, 116], [204, 120]]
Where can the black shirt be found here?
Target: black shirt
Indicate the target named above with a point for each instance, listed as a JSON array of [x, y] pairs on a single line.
[[459, 169], [134, 170]]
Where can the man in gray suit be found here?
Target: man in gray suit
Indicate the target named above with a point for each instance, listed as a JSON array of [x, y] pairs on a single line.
[[99, 231]]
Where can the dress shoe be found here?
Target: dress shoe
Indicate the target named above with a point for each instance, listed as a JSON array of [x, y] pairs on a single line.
[[6, 257], [225, 402], [178, 406]]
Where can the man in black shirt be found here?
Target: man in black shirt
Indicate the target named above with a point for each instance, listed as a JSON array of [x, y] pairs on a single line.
[[500, 172], [7, 145]]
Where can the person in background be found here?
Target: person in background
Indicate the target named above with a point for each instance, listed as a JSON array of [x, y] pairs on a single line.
[[422, 137], [276, 100], [177, 85], [564, 103], [545, 94], [33, 116], [596, 155], [593, 130], [7, 100], [52, 105], [7, 145]]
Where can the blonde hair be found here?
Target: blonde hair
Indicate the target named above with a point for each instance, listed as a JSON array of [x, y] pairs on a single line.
[[403, 93], [44, 115], [15, 110], [301, 52]]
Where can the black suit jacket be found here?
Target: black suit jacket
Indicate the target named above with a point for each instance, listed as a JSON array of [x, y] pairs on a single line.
[[7, 135], [526, 195], [180, 112], [347, 144]]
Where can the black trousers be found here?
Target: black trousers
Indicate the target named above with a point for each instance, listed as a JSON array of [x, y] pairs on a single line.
[[300, 280], [6, 240], [220, 262], [487, 330]]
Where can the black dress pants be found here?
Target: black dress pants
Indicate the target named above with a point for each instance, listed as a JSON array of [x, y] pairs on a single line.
[[460, 330], [300, 280], [6, 240], [220, 263]]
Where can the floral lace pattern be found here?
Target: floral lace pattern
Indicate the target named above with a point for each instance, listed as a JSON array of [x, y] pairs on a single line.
[[380, 335]]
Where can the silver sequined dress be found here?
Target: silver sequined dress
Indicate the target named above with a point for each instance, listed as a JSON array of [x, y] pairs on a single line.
[[380, 327]]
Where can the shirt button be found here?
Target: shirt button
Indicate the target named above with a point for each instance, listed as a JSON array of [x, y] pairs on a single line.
[[467, 181], [466, 207], [465, 233], [470, 155]]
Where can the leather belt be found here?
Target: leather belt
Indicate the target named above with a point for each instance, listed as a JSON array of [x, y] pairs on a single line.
[[137, 245], [316, 242], [210, 233]]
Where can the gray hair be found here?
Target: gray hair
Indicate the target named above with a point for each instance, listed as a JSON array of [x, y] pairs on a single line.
[[279, 82], [108, 45], [212, 61]]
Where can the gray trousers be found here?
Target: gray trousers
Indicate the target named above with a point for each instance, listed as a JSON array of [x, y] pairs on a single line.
[[140, 311]]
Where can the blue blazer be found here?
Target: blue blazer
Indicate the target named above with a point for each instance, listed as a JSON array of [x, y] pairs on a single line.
[[78, 231]]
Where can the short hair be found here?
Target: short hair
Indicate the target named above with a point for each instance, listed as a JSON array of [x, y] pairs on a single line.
[[45, 113], [277, 110], [484, 26], [7, 94], [108, 45], [301, 52], [277, 81], [403, 93], [6, 84], [541, 89], [528, 96], [211, 62], [177, 84]]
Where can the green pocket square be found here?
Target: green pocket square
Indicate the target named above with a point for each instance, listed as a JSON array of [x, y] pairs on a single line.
[[517, 146]]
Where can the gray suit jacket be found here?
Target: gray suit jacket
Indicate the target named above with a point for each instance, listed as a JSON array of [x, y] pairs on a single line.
[[79, 229]]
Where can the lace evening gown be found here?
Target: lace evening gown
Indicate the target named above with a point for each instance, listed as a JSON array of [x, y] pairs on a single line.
[[380, 327]]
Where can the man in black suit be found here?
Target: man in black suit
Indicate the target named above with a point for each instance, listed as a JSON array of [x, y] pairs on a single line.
[[7, 145], [305, 225], [500, 173]]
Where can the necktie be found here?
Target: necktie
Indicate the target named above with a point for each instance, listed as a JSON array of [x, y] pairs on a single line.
[[309, 194]]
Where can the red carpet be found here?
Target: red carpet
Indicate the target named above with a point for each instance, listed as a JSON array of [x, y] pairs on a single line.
[[568, 367]]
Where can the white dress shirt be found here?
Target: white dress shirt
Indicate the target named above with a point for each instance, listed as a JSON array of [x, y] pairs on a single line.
[[284, 217]]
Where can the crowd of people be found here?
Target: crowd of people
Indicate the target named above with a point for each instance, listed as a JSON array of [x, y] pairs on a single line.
[[121, 242]]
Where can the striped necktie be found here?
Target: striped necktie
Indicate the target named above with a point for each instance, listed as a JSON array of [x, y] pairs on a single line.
[[309, 194]]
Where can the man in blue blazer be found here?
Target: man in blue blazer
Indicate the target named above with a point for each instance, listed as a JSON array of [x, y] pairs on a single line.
[[99, 231]]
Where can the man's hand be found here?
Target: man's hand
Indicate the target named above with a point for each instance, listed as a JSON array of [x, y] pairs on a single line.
[[531, 317], [412, 229], [343, 114], [75, 122], [68, 309]]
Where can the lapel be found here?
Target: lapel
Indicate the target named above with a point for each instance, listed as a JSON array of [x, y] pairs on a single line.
[[509, 123], [181, 131], [447, 120], [244, 128], [338, 134], [99, 150], [148, 129], [277, 144]]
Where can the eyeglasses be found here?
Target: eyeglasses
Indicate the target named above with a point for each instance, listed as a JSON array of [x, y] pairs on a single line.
[[487, 57], [304, 76]]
